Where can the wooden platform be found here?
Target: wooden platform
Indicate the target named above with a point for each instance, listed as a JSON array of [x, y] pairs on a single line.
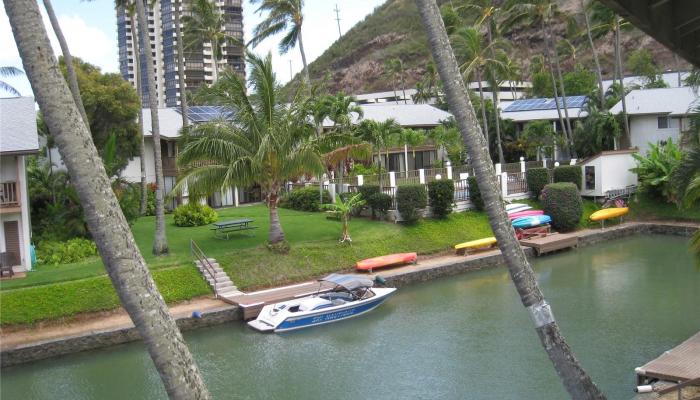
[[252, 303], [679, 364], [553, 242]]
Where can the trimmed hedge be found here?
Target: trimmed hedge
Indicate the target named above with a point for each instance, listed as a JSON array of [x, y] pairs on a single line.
[[379, 202], [568, 173], [305, 199], [70, 251], [537, 179], [563, 203], [475, 194], [410, 200], [441, 195], [33, 304], [194, 214]]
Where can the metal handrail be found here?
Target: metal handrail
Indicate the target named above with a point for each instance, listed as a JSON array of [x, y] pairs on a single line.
[[198, 254]]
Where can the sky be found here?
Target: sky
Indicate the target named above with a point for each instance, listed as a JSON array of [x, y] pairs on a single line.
[[90, 29]]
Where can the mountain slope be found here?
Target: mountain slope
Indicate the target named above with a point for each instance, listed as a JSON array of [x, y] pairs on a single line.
[[355, 62]]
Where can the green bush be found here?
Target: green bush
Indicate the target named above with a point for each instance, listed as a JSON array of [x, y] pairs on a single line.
[[568, 173], [475, 194], [410, 200], [655, 169], [441, 195], [537, 179], [379, 202], [305, 199], [562, 202], [73, 250], [194, 214]]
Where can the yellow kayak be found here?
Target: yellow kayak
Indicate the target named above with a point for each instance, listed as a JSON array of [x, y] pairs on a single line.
[[475, 244], [608, 213]]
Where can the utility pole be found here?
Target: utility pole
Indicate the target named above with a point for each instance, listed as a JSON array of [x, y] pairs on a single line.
[[337, 19]]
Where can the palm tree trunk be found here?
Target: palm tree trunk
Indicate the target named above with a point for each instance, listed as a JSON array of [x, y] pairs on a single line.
[[599, 72], [494, 96], [160, 242], [303, 60], [393, 85], [403, 85], [626, 140], [567, 120], [110, 230], [276, 234], [214, 61], [575, 379], [181, 65], [548, 57], [484, 120], [68, 59], [142, 146]]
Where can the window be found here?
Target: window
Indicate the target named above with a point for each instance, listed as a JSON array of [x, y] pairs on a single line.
[[590, 177], [663, 122]]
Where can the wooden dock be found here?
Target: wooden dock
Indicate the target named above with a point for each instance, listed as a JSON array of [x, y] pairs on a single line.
[[252, 303], [553, 242], [680, 364]]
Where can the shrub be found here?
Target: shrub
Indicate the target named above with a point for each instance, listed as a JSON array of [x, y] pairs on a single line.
[[410, 200], [380, 202], [194, 214], [129, 197], [367, 191], [441, 194], [655, 169], [562, 202], [568, 173], [475, 194], [537, 179], [73, 250], [305, 199]]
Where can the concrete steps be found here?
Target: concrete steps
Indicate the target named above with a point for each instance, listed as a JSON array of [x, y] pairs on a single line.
[[223, 287]]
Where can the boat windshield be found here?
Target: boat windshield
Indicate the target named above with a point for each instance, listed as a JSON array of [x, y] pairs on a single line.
[[349, 282]]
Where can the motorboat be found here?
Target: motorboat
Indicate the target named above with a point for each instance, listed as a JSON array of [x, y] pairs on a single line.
[[350, 296]]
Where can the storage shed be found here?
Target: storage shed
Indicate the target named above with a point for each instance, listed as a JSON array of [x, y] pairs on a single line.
[[608, 171]]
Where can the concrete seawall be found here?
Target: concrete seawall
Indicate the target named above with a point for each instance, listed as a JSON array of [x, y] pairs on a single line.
[[426, 270]]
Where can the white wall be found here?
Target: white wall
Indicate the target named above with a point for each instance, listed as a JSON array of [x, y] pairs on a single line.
[[15, 166], [617, 174], [132, 172], [644, 130], [596, 163], [8, 169]]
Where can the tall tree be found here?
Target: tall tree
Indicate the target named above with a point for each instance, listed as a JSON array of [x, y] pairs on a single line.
[[160, 241], [72, 78], [575, 379], [205, 25], [180, 62], [8, 72], [115, 242], [283, 15], [594, 50], [394, 68], [381, 135]]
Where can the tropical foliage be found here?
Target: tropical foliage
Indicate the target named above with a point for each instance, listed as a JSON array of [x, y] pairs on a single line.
[[194, 214], [410, 202], [345, 208], [6, 72], [655, 169]]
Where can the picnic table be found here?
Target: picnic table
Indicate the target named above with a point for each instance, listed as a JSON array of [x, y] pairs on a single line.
[[224, 228]]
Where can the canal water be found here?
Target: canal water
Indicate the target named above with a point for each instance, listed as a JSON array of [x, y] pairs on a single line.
[[619, 304]]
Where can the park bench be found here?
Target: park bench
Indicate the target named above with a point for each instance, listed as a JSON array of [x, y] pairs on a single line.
[[224, 228]]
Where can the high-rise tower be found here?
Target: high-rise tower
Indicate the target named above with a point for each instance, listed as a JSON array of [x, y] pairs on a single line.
[[198, 61]]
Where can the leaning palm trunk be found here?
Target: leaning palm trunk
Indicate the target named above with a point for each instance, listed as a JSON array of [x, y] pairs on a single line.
[[180, 65], [599, 72], [143, 209], [68, 59], [494, 97], [575, 379], [484, 119], [548, 57], [618, 58], [160, 242], [303, 60], [110, 230], [567, 120]]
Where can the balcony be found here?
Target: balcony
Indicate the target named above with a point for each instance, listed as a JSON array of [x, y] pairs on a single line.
[[9, 197]]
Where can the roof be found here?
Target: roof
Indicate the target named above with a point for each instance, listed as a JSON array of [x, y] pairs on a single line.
[[671, 79], [406, 115], [349, 282], [169, 121], [537, 115], [666, 101], [606, 153], [18, 133], [546, 103], [207, 113]]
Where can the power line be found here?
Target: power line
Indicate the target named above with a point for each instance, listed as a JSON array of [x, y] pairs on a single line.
[[337, 19]]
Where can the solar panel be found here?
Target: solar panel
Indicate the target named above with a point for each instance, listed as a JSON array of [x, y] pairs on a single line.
[[545, 104], [207, 113]]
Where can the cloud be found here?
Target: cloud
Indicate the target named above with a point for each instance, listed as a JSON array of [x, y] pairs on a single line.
[[90, 43]]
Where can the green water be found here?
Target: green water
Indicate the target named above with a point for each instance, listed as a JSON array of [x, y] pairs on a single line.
[[619, 305]]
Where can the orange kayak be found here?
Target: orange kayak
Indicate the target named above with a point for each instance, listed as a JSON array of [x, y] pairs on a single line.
[[386, 261]]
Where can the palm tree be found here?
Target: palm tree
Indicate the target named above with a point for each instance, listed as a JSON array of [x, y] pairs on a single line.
[[481, 59], [180, 63], [205, 25], [594, 51], [575, 379], [444, 136], [124, 263], [410, 138], [381, 135], [8, 72], [344, 209], [283, 15], [429, 88], [605, 21], [394, 68], [160, 241], [267, 143]]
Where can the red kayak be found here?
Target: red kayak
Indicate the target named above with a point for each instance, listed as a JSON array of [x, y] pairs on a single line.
[[386, 261], [528, 213]]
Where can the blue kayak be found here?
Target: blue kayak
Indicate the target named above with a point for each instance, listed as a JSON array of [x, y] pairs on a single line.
[[531, 221]]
